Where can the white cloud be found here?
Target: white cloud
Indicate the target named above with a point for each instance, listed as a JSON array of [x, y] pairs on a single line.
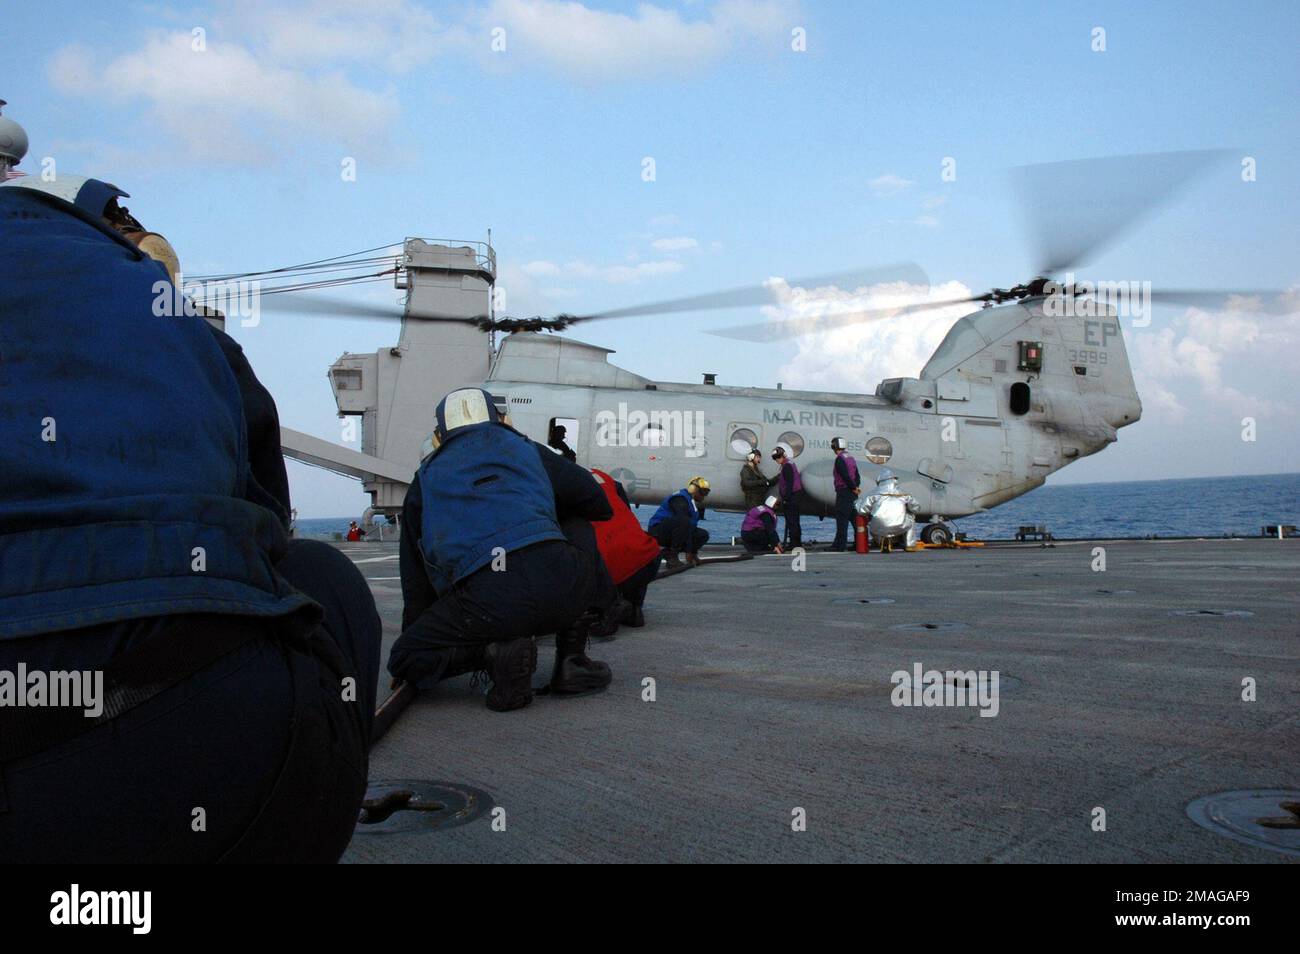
[[1213, 359], [615, 274], [631, 273], [889, 184], [273, 76], [926, 221], [541, 268], [396, 35], [228, 103], [679, 244], [653, 40], [858, 357]]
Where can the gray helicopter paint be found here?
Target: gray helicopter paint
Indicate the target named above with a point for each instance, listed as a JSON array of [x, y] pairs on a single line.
[[954, 442], [956, 445]]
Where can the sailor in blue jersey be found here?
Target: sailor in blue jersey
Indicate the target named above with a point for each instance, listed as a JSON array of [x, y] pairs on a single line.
[[676, 524], [143, 517], [497, 549]]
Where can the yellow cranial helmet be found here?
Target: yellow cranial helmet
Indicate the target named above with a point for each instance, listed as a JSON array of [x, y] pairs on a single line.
[[159, 249], [699, 483]]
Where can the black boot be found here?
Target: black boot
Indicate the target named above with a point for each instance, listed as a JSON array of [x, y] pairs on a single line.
[[632, 616], [671, 559], [575, 672], [510, 666], [466, 659], [607, 625]]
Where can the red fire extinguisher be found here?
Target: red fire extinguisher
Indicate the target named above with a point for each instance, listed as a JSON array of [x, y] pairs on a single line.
[[860, 533]]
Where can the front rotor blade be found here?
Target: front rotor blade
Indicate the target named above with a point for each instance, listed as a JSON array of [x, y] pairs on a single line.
[[301, 302], [796, 327], [761, 294], [1075, 208]]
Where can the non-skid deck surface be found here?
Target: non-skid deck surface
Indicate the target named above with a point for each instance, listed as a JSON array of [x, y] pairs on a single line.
[[773, 693]]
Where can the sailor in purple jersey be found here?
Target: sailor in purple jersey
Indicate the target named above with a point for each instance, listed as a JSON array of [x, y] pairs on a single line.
[[789, 487], [847, 488], [758, 529]]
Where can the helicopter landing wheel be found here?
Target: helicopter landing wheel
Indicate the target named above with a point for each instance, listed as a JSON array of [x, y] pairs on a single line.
[[937, 534]]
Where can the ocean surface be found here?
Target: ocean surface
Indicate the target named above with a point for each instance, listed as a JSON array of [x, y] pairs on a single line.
[[1202, 506]]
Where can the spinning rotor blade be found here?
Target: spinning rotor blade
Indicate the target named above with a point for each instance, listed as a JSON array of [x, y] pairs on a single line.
[[761, 294], [304, 302], [1252, 301], [1073, 209], [327, 307], [750, 295], [795, 327]]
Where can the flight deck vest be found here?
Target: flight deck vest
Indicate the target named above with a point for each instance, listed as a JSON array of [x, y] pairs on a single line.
[[624, 546], [123, 448], [484, 488], [665, 511], [754, 518], [851, 466], [796, 488]]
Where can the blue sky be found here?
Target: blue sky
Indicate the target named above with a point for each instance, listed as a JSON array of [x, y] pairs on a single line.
[[768, 161]]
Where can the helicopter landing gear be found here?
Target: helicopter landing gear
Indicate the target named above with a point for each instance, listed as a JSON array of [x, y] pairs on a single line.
[[937, 534]]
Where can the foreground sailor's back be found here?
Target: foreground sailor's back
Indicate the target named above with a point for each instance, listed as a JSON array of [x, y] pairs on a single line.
[[143, 512]]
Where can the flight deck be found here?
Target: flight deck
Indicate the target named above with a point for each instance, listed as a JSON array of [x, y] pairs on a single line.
[[769, 731]]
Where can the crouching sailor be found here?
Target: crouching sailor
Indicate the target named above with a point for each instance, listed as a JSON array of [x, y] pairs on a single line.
[[143, 534], [497, 549], [758, 529], [676, 524], [890, 513], [631, 555]]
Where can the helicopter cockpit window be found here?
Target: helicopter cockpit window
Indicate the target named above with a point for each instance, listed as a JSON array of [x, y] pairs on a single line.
[[1020, 398], [879, 450], [741, 442], [793, 441]]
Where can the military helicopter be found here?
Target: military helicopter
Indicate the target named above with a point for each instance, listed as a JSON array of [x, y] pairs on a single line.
[[1035, 378]]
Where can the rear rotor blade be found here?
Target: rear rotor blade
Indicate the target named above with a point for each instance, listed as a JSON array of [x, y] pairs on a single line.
[[1270, 302], [1246, 301]]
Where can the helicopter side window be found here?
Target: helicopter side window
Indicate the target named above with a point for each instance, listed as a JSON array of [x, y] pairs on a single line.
[[1020, 398], [741, 442], [793, 441], [879, 450]]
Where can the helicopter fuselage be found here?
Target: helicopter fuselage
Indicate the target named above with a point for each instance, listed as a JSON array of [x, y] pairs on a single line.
[[1012, 395]]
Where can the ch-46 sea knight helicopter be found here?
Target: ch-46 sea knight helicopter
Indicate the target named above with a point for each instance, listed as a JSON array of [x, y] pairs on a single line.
[[1034, 379]]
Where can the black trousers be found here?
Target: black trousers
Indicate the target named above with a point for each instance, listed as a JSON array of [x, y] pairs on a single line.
[[676, 533], [633, 589], [758, 540], [260, 756], [793, 532], [844, 514], [543, 589]]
